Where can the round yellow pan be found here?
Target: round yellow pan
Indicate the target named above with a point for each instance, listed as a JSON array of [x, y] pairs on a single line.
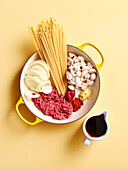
[[88, 104]]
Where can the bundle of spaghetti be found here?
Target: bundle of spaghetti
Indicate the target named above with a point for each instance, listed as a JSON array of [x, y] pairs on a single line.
[[49, 39]]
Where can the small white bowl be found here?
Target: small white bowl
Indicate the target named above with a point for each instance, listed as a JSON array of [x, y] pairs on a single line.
[[88, 138]]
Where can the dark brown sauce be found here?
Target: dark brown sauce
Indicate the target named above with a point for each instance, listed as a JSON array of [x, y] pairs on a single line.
[[96, 126]]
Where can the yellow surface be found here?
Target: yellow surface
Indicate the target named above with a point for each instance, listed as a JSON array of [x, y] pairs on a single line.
[[48, 146]]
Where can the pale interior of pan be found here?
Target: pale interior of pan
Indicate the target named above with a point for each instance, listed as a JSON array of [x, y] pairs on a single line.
[[88, 104]]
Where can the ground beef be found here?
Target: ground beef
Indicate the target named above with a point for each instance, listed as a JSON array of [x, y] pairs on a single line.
[[53, 105]]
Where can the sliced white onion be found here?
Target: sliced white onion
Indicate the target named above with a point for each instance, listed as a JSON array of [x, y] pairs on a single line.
[[32, 82], [29, 94], [37, 78], [44, 87], [41, 70], [43, 65], [35, 73]]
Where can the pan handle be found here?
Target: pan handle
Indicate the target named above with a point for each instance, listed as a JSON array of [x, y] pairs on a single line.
[[20, 101], [90, 44]]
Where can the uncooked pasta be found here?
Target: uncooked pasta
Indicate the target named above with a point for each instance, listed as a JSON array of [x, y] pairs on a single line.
[[50, 42]]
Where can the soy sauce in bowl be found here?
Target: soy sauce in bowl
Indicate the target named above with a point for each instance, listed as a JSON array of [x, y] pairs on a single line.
[[96, 126]]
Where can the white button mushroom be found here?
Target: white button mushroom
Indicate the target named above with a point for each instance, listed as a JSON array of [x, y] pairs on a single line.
[[89, 64], [71, 55], [76, 67], [82, 64], [93, 76], [70, 68], [77, 64], [77, 80], [78, 84], [68, 75], [74, 79], [87, 76], [83, 86], [87, 68], [69, 61], [82, 79], [90, 82], [78, 73], [75, 60], [71, 87], [92, 70], [71, 82], [81, 58], [73, 72], [84, 73]]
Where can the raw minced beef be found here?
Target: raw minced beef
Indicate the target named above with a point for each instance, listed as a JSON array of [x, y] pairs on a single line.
[[54, 105]]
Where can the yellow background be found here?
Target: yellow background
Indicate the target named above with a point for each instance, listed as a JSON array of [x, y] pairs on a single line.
[[48, 146]]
